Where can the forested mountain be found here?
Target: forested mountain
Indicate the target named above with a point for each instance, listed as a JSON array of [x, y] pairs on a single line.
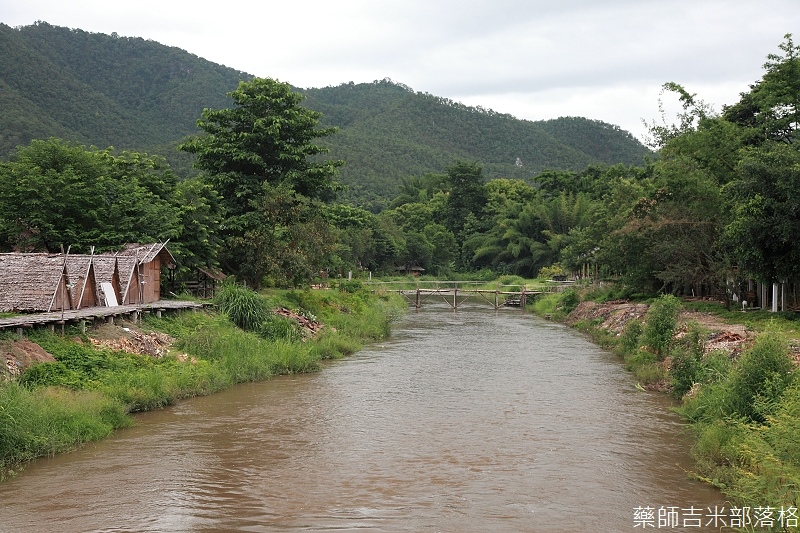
[[388, 132], [103, 90], [137, 94]]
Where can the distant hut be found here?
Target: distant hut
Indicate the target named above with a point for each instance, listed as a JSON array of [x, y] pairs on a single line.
[[129, 278], [411, 270], [31, 282]]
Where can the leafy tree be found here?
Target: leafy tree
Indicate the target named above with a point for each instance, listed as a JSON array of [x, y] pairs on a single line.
[[267, 137], [694, 111], [198, 208], [467, 195], [59, 194], [766, 223], [261, 158], [771, 110]]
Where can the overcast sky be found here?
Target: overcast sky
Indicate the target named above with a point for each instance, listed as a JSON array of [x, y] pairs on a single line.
[[537, 60]]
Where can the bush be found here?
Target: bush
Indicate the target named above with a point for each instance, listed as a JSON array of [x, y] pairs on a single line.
[[351, 286], [568, 302], [763, 373], [631, 335], [278, 327], [660, 323]]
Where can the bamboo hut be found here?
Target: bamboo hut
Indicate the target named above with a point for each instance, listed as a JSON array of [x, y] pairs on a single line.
[[139, 270]]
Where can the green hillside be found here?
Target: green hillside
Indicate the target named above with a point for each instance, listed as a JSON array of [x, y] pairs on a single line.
[[388, 131], [103, 90], [131, 93]]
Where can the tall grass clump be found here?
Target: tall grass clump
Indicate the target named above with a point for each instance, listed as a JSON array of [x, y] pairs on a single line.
[[246, 308], [546, 304]]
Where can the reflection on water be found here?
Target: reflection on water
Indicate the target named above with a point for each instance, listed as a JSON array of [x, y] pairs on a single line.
[[474, 420]]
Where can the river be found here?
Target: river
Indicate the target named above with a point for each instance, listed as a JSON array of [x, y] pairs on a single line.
[[463, 421]]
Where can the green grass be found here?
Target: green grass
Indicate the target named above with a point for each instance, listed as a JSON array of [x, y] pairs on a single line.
[[49, 420]]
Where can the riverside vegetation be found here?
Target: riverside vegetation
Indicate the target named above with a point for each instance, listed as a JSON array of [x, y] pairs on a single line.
[[744, 409], [88, 392]]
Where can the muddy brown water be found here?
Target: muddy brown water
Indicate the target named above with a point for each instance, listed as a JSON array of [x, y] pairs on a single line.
[[468, 421]]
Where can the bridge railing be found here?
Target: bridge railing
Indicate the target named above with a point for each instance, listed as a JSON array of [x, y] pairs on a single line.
[[467, 286]]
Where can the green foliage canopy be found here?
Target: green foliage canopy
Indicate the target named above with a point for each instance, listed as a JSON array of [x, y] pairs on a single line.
[[59, 194]]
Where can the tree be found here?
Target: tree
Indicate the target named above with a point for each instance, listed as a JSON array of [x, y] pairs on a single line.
[[267, 137], [262, 159], [467, 195], [60, 194], [772, 107], [766, 222]]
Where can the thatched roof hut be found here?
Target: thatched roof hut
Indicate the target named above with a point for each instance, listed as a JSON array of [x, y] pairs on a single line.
[[34, 282], [31, 282], [140, 271]]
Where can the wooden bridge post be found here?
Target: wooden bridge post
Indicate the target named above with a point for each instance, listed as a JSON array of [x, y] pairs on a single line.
[[455, 296], [496, 299], [417, 302], [522, 298]]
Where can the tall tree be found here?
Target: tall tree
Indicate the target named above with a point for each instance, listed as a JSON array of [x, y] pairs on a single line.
[[766, 223], [771, 109], [267, 137], [262, 159]]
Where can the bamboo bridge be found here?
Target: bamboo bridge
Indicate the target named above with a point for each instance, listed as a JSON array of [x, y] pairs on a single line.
[[457, 292]]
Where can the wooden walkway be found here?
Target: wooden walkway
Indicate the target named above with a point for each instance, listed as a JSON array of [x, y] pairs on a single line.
[[457, 292], [90, 314]]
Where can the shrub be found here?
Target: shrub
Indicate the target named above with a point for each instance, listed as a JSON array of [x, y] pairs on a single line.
[[660, 323], [568, 302], [351, 286], [278, 327], [763, 373], [630, 338]]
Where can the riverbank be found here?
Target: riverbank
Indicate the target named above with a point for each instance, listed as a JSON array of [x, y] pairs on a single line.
[[734, 375], [57, 393]]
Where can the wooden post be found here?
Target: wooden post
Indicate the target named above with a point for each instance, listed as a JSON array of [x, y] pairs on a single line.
[[496, 298], [522, 299], [455, 296], [417, 300]]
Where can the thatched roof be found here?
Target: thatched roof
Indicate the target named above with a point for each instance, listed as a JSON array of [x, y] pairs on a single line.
[[106, 270], [83, 280], [148, 252], [33, 282]]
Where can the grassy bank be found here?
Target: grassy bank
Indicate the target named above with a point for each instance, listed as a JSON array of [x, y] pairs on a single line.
[[743, 406], [90, 390]]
